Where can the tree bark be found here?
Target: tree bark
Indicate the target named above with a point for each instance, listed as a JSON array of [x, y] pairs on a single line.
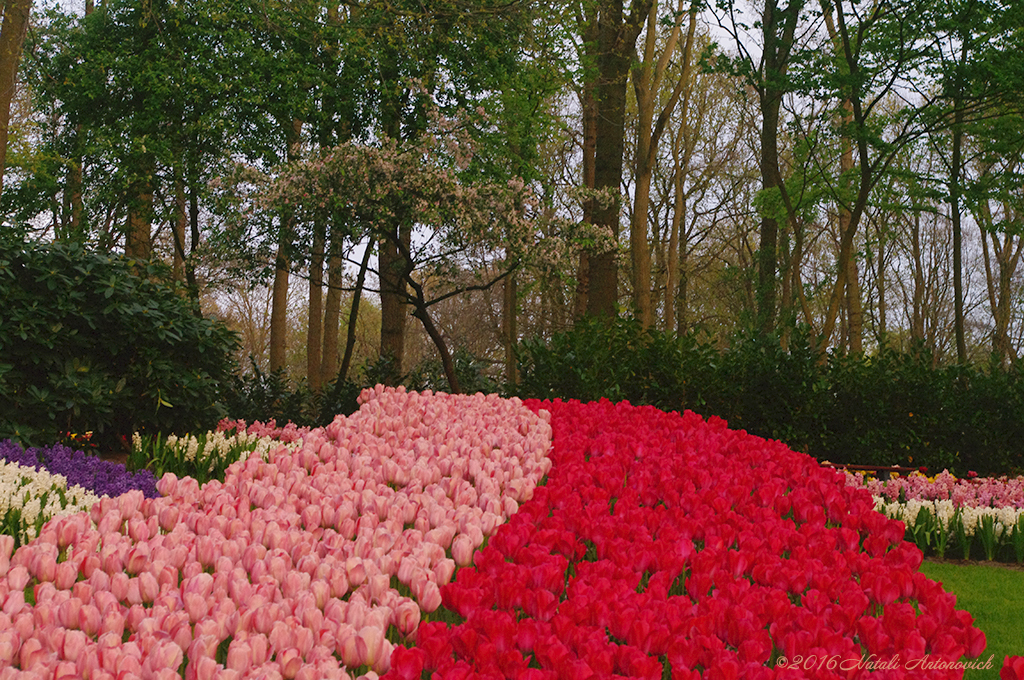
[[178, 228], [353, 316], [778, 28], [616, 43], [393, 296], [279, 299], [956, 163], [315, 320], [138, 232], [332, 314], [588, 105], [509, 330], [917, 318], [12, 38]]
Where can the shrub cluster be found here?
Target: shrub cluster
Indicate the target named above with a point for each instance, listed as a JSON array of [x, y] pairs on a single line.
[[886, 409], [92, 341]]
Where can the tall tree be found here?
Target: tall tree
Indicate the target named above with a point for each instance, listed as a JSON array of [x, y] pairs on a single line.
[[12, 37], [617, 33], [768, 75], [649, 75]]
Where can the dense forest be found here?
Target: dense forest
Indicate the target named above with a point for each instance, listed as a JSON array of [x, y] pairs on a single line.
[[377, 187]]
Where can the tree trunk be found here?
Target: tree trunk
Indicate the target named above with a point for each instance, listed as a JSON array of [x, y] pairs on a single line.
[[588, 105], [393, 296], [778, 29], [315, 320], [954, 211], [647, 79], [422, 312], [509, 331], [279, 300], [332, 313], [12, 37], [353, 316], [917, 318], [880, 285], [616, 43], [178, 228], [138, 233]]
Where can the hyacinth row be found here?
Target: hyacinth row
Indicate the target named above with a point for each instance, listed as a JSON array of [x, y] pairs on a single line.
[[29, 498], [307, 565], [664, 546], [949, 516]]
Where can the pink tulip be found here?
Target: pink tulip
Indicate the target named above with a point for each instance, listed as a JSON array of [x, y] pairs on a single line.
[[462, 550], [407, 617], [321, 590], [18, 577], [240, 657], [90, 620], [10, 644], [15, 602], [260, 647], [68, 612], [32, 652], [290, 661], [66, 670], [348, 648]]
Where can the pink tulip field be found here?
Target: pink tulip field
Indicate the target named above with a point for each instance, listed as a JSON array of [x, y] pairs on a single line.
[[438, 536]]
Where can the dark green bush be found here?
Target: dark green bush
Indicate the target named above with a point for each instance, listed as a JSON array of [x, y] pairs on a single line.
[[263, 396], [91, 341], [886, 409]]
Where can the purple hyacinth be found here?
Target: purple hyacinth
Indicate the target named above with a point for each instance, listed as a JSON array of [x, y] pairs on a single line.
[[102, 477]]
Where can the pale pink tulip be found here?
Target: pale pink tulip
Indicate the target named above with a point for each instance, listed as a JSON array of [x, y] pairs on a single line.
[[119, 586], [282, 635], [66, 670], [18, 577], [195, 605], [321, 590], [32, 652], [90, 620], [239, 656], [260, 647], [462, 550], [15, 602], [66, 575], [138, 559], [10, 644], [149, 587], [68, 612], [294, 583], [291, 662]]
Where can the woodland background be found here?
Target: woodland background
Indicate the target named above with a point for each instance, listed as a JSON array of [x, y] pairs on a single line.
[[822, 193]]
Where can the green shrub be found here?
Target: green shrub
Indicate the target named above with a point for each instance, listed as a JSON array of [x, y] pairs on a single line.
[[95, 342], [264, 396], [886, 409]]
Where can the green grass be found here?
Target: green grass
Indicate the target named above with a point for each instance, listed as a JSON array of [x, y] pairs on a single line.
[[994, 595]]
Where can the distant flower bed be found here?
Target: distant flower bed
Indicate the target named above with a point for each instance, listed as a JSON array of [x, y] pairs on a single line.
[[982, 517]]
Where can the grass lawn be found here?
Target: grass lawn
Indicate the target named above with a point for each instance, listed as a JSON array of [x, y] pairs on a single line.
[[994, 595]]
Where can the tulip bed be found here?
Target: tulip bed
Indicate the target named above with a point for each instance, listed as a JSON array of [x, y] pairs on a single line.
[[943, 513], [664, 546], [295, 567], [658, 546]]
